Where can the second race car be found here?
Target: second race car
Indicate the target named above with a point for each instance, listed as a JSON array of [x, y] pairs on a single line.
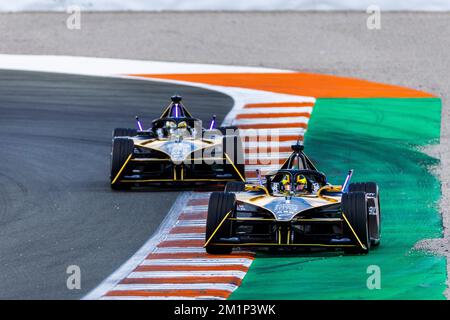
[[175, 150]]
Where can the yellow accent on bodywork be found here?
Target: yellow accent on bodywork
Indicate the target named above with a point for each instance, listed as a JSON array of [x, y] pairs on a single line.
[[232, 163], [172, 180], [256, 244], [215, 231], [252, 219], [156, 144], [353, 231], [121, 169], [263, 200], [256, 187], [329, 188]]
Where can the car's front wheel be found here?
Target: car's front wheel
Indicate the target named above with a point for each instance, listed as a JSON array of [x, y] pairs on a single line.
[[121, 150], [124, 132], [354, 207], [373, 205], [221, 205]]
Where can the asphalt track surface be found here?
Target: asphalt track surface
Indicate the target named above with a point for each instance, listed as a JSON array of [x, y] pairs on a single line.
[[56, 206]]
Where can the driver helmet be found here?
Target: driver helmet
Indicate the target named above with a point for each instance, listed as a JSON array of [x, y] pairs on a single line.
[[183, 128], [170, 126], [286, 183], [300, 183]]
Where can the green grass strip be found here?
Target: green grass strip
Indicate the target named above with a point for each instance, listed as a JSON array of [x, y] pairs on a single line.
[[380, 139]]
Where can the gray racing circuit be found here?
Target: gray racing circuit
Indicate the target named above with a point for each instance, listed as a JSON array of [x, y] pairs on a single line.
[[56, 205], [410, 49]]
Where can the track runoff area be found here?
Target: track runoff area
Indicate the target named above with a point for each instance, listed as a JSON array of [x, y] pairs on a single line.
[[376, 129]]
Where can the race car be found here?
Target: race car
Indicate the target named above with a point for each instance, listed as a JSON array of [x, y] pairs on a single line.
[[175, 151], [294, 207]]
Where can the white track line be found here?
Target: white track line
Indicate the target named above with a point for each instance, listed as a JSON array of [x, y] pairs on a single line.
[[283, 120], [272, 132], [279, 110], [109, 67], [195, 209], [181, 274], [198, 262], [176, 286], [200, 196], [250, 168], [179, 250], [268, 144], [191, 223], [160, 298], [267, 156], [185, 236]]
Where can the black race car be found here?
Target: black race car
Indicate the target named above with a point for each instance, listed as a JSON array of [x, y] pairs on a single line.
[[295, 207], [175, 150]]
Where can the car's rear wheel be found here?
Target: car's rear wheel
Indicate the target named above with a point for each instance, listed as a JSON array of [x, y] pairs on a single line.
[[220, 204], [122, 148], [235, 186], [373, 206], [124, 132], [232, 146], [354, 207]]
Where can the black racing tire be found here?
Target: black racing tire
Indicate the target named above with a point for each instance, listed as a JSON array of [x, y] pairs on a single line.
[[235, 186], [121, 150], [368, 187], [372, 189], [220, 203], [124, 132], [354, 206], [232, 146]]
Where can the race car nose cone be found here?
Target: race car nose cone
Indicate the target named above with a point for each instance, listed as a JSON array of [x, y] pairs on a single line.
[[176, 98], [178, 150]]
